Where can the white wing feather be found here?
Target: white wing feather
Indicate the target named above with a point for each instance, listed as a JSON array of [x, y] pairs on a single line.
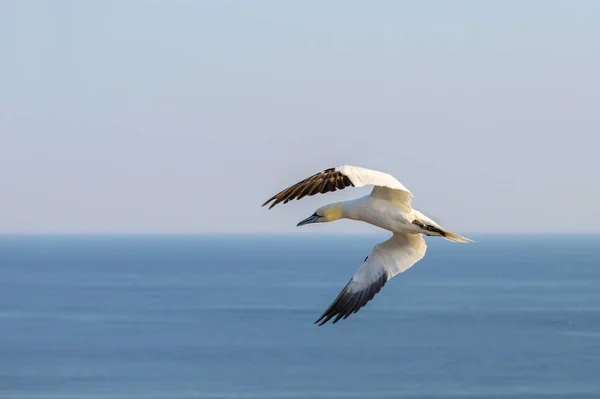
[[386, 185], [391, 257], [329, 180], [386, 260]]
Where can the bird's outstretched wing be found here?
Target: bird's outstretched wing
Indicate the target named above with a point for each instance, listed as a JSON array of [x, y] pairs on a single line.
[[385, 261], [329, 180]]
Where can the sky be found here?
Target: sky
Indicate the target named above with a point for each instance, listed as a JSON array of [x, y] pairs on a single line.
[[185, 116]]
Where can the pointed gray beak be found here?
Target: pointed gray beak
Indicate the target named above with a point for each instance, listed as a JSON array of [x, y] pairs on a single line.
[[311, 219]]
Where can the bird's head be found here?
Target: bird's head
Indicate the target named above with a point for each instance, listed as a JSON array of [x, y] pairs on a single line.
[[327, 213]]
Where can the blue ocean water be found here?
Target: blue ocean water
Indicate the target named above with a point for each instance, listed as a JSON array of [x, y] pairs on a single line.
[[171, 317]]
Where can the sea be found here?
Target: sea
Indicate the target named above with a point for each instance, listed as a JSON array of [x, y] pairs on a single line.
[[196, 316]]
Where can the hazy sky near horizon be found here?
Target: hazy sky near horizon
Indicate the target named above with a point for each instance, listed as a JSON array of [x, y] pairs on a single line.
[[184, 116]]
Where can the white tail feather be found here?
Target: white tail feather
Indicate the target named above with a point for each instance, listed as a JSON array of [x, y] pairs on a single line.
[[450, 236]]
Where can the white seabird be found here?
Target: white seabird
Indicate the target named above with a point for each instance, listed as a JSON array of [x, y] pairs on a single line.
[[388, 206]]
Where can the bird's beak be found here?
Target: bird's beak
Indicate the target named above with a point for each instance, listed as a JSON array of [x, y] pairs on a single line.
[[311, 219]]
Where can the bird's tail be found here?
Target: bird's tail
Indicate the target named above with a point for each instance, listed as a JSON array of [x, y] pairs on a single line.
[[450, 236]]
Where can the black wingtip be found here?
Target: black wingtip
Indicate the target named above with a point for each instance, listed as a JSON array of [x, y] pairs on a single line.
[[319, 322], [348, 303], [267, 201], [325, 317]]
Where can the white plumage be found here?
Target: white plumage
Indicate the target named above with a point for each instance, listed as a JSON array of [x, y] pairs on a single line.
[[388, 206]]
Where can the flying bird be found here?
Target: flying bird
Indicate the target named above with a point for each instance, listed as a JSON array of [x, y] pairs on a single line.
[[388, 206]]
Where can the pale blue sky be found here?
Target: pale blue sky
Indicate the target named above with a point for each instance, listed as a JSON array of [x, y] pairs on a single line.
[[184, 116]]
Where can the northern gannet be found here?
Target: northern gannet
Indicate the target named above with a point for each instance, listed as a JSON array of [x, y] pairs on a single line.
[[388, 206]]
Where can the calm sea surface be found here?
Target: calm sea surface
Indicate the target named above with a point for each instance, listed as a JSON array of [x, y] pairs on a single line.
[[166, 317]]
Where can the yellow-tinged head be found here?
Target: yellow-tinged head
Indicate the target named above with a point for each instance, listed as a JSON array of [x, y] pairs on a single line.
[[327, 213]]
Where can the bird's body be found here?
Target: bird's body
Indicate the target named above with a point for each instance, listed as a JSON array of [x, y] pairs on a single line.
[[388, 206], [379, 212]]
